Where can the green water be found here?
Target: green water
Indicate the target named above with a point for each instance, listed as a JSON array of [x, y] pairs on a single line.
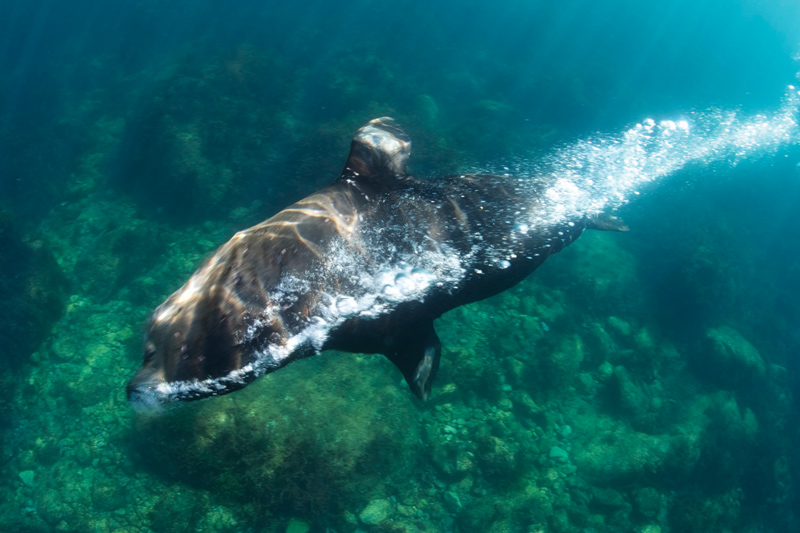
[[641, 382]]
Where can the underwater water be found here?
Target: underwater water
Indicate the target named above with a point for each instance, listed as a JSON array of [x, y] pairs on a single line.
[[646, 381]]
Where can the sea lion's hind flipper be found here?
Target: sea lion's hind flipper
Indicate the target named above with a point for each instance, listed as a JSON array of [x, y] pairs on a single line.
[[379, 152], [418, 358], [605, 222]]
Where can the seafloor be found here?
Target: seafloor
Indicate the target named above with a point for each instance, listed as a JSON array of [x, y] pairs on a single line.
[[637, 382]]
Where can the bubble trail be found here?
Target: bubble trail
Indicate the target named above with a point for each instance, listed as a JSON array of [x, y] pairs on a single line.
[[601, 174]]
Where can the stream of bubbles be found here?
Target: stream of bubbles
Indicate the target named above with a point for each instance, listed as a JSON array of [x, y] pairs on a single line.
[[602, 173]]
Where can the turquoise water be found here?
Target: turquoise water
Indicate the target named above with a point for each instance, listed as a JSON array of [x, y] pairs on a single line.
[[644, 381]]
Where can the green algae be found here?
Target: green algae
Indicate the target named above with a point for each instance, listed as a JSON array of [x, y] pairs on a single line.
[[293, 442]]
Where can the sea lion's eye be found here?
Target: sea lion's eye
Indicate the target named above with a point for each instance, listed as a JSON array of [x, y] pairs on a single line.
[[149, 353]]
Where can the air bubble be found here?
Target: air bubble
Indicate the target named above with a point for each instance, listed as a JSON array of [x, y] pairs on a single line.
[[404, 283], [421, 278], [347, 306], [384, 277], [391, 293]]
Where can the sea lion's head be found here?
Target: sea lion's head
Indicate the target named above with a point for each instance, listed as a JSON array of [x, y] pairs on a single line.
[[192, 347]]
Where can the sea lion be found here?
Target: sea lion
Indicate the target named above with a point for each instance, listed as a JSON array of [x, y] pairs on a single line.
[[364, 265]]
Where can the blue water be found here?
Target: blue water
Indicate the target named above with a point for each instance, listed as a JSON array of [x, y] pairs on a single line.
[[644, 381]]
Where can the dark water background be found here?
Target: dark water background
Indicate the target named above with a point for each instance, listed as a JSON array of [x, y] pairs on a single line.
[[135, 137]]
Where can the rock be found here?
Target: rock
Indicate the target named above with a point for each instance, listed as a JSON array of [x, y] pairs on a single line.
[[631, 396], [622, 327], [464, 462], [52, 508], [298, 526], [33, 290], [647, 501], [561, 364], [527, 406], [27, 477], [585, 385], [174, 512], [616, 454], [608, 498], [604, 371], [427, 108], [559, 454], [452, 501], [489, 513], [108, 495], [376, 512], [499, 458], [729, 358], [222, 520]]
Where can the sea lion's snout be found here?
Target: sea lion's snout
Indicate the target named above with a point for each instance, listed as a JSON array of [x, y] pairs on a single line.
[[191, 348], [142, 389], [164, 343]]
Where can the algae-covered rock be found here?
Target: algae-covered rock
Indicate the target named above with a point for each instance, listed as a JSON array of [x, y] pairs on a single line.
[[650, 528], [631, 396], [376, 512], [729, 359], [486, 514], [604, 371], [174, 513], [52, 507], [33, 291], [221, 520], [608, 498], [306, 440], [205, 130], [560, 363], [558, 454], [647, 501], [618, 455], [622, 327], [108, 495], [28, 477], [89, 359], [296, 525], [694, 511], [427, 110], [499, 459], [732, 444], [599, 275], [115, 257]]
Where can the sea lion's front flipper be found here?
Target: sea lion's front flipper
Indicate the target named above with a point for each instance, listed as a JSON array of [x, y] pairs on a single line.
[[418, 358], [378, 153]]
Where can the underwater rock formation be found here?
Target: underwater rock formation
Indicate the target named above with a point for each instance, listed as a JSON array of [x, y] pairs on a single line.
[[204, 134], [33, 290], [273, 447], [729, 359]]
